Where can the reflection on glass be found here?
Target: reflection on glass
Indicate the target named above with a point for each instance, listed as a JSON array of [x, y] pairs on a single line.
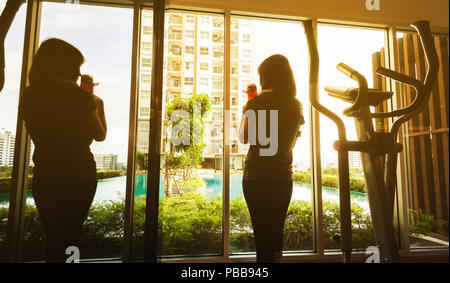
[[9, 99], [427, 140], [259, 40], [191, 173], [355, 48], [191, 190], [143, 133], [85, 26]]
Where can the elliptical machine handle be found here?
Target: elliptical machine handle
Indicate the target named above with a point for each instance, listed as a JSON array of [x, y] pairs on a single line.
[[423, 90], [314, 80], [362, 89]]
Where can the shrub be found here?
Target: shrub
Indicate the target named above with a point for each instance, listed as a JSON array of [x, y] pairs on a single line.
[[191, 224], [357, 184]]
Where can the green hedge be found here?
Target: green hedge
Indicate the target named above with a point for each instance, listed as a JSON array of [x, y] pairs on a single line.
[[357, 184], [6, 182], [192, 225]]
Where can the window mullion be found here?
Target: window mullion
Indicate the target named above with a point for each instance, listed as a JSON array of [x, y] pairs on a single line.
[[226, 146]]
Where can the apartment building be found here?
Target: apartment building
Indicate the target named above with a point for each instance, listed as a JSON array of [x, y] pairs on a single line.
[[7, 141], [194, 63]]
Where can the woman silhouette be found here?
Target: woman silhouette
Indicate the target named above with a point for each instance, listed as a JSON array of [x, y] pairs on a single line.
[[62, 120], [267, 181]]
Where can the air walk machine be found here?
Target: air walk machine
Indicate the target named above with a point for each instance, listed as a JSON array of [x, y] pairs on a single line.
[[378, 149]]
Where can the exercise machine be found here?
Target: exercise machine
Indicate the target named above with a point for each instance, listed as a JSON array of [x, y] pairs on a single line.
[[6, 19], [379, 150]]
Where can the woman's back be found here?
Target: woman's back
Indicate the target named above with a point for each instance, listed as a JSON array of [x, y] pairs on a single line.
[[276, 163], [56, 116]]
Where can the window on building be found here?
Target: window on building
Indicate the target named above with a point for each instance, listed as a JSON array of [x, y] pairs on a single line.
[[204, 35], [190, 33], [147, 30], [234, 24], [189, 65], [234, 67], [145, 94], [218, 22], [204, 81], [246, 38], [144, 111], [218, 36], [204, 66], [188, 81], [204, 51], [189, 49], [204, 20], [175, 49], [146, 62], [218, 51], [217, 82], [234, 83], [190, 18], [217, 67], [146, 46], [246, 68], [145, 78], [175, 33]]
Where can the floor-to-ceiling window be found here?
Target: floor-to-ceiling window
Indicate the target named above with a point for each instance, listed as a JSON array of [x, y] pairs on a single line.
[[104, 36], [354, 47], [252, 40], [426, 145], [9, 100], [192, 172]]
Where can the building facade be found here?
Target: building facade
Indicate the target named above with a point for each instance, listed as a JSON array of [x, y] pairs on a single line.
[[194, 63], [7, 141], [106, 161]]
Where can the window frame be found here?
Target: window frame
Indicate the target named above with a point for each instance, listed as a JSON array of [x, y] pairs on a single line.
[[22, 148]]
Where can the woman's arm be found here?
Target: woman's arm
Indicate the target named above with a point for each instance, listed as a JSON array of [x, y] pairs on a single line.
[[97, 121], [243, 130]]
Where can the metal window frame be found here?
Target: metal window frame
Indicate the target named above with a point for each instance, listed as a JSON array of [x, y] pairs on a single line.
[[22, 144], [132, 133], [18, 195]]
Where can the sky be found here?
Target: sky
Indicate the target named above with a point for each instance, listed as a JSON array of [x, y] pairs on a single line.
[[109, 61]]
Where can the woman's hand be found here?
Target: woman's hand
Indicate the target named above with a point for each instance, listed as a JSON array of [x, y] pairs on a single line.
[[98, 121]]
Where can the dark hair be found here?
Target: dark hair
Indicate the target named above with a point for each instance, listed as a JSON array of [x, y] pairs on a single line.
[[56, 59], [275, 72]]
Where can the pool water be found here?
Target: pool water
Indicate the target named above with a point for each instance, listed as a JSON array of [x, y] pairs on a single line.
[[113, 189]]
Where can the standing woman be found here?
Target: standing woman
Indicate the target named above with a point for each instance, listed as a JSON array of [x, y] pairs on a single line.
[[267, 180], [62, 120]]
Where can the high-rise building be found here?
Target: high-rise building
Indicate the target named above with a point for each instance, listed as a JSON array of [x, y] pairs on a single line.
[[106, 161], [7, 141], [194, 63], [354, 160]]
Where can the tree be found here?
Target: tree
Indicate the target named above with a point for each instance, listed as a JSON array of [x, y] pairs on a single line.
[[186, 119]]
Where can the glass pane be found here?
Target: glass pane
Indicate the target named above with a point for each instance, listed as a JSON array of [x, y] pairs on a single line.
[[426, 137], [354, 47], [84, 26], [9, 101], [255, 40], [143, 132], [191, 168]]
